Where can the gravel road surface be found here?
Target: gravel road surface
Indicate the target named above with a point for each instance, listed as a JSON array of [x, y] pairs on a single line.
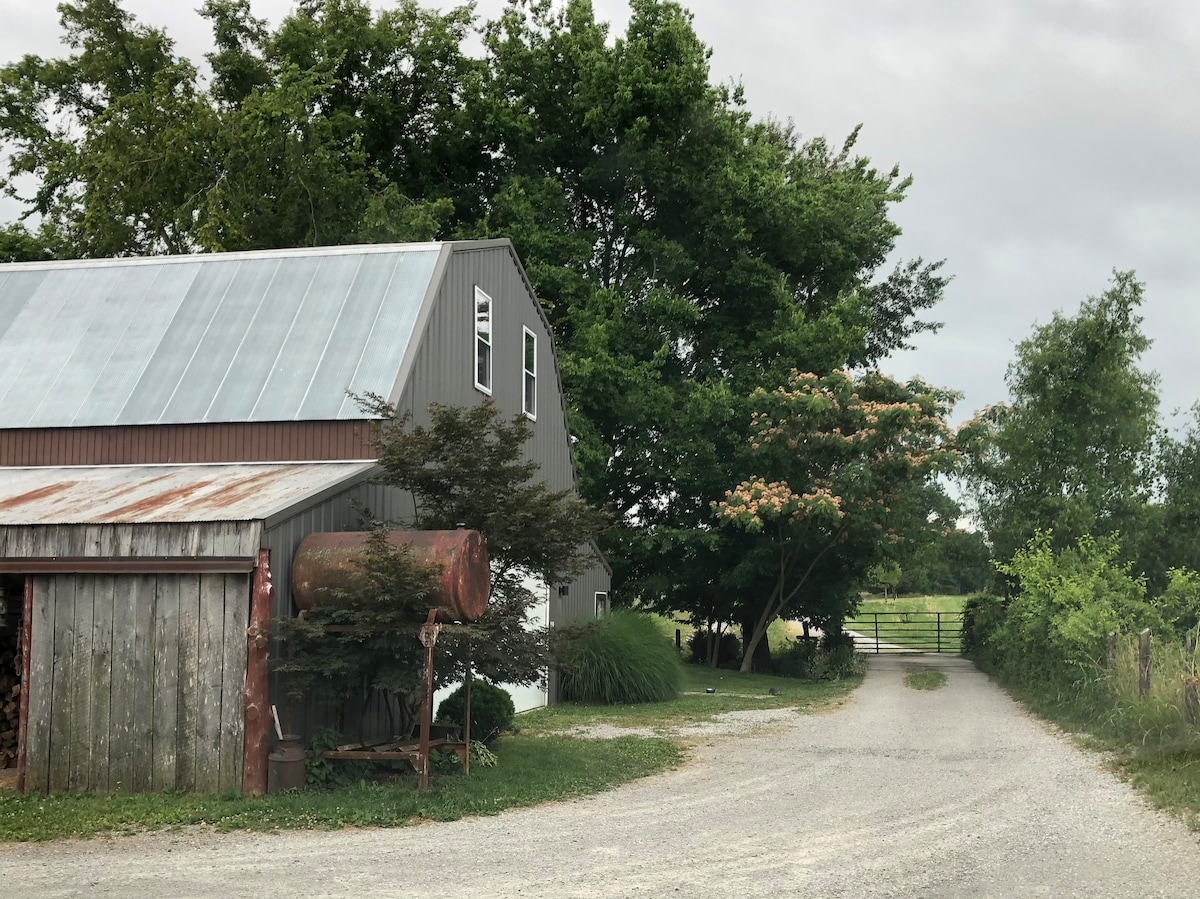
[[951, 793]]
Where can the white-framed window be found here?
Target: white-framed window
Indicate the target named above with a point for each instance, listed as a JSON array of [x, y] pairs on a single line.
[[529, 379], [483, 341], [601, 604]]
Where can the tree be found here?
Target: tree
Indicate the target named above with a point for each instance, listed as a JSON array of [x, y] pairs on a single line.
[[466, 469], [686, 255], [886, 575], [341, 127], [839, 456], [1074, 450]]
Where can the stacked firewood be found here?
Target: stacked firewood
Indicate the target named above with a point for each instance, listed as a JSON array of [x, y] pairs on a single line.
[[10, 704]]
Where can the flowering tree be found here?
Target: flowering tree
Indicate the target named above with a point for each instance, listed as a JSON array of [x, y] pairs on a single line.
[[842, 459]]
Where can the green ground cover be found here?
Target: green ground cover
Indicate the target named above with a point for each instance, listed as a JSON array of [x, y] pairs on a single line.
[[923, 678]]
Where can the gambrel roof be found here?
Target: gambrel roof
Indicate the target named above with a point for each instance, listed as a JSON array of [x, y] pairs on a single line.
[[232, 337]]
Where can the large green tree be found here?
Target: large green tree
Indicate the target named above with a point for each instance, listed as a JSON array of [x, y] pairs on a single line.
[[838, 460], [1074, 450]]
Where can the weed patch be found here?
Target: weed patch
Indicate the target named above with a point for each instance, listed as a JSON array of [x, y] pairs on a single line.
[[922, 678]]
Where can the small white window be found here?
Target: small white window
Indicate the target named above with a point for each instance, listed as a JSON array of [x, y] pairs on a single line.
[[483, 341], [601, 604], [530, 379]]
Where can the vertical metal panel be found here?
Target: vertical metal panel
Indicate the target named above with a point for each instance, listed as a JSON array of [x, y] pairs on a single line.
[[348, 338], [215, 344], [323, 304], [174, 352], [260, 342], [123, 335]]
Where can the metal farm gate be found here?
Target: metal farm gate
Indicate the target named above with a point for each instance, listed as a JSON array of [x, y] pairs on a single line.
[[912, 632]]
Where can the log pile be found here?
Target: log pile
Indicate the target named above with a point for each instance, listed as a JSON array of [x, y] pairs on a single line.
[[10, 703]]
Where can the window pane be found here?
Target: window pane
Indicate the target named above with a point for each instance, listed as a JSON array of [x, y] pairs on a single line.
[[483, 341], [530, 353], [530, 394], [483, 359]]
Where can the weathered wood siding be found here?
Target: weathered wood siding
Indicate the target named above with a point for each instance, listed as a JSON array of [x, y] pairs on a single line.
[[137, 682], [115, 541]]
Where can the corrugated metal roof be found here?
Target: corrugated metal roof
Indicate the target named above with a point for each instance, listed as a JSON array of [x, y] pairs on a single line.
[[106, 494], [270, 336]]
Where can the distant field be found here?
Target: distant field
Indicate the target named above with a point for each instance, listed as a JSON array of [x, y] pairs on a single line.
[[916, 627]]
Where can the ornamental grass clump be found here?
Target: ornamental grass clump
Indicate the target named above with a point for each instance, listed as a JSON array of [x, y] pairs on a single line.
[[620, 659]]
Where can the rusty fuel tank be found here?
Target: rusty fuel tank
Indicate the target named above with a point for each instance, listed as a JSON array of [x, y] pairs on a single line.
[[327, 563]]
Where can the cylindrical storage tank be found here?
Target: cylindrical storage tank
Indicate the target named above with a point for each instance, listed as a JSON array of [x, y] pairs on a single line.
[[286, 769], [325, 564]]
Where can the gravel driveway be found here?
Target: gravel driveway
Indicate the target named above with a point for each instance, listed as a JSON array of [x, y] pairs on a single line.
[[953, 793]]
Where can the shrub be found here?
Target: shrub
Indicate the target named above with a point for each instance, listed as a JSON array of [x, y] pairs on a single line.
[[492, 710], [811, 659], [1054, 629], [729, 648], [983, 614], [620, 658]]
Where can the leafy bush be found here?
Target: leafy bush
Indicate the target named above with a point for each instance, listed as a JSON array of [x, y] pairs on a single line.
[[492, 710], [1054, 630], [729, 648], [813, 660], [620, 658], [983, 614]]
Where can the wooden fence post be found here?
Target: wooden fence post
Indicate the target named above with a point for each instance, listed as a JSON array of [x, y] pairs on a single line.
[[1144, 663]]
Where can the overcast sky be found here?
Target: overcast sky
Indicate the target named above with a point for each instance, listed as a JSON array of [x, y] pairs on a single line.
[[1050, 141]]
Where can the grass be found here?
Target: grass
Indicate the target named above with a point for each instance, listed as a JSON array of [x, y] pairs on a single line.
[[918, 626], [532, 769], [537, 764], [733, 692], [923, 678]]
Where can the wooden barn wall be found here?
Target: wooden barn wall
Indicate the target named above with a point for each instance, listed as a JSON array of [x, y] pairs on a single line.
[[137, 682], [221, 538], [192, 443]]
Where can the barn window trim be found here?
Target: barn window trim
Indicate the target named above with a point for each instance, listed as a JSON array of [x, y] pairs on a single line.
[[601, 603], [529, 373], [483, 341]]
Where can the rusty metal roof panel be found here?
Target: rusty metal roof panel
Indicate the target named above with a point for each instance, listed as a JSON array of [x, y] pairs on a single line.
[[130, 494], [223, 337]]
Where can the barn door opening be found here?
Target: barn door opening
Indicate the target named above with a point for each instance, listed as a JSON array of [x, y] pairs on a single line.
[[12, 592]]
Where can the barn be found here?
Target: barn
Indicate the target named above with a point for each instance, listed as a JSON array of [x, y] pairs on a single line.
[[170, 429]]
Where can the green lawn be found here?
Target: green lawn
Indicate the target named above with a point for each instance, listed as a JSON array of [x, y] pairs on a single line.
[[732, 692], [531, 769]]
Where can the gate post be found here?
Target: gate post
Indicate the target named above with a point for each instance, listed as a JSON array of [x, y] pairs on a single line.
[[1144, 663], [939, 632], [876, 614]]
